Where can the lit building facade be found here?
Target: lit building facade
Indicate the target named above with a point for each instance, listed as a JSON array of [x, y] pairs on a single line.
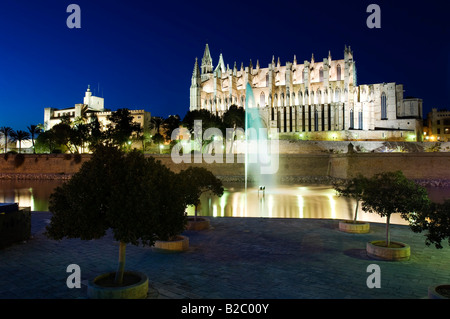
[[91, 105], [320, 99], [437, 126]]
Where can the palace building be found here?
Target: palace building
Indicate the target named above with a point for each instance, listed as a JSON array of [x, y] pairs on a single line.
[[315, 99], [91, 105]]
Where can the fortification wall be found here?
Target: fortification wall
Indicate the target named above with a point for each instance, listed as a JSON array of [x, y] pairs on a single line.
[[291, 167]]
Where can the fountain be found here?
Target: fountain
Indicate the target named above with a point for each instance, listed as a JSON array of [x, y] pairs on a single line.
[[261, 152]]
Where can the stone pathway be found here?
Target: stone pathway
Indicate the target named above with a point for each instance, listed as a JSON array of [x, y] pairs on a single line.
[[238, 258]]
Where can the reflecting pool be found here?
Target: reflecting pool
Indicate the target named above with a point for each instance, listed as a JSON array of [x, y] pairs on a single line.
[[283, 201]]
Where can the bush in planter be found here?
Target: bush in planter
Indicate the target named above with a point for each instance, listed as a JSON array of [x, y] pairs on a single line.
[[196, 181], [435, 220], [352, 188], [392, 193], [136, 197]]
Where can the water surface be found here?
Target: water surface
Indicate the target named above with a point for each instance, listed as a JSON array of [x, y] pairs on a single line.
[[283, 201]]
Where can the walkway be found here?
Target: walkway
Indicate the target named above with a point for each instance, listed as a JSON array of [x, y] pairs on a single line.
[[249, 258]]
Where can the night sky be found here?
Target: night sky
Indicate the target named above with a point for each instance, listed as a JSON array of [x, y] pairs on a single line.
[[140, 54]]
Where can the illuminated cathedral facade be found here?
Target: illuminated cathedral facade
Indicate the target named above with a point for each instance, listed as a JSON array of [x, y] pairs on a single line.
[[315, 99]]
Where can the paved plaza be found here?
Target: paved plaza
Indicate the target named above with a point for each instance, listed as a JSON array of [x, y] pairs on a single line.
[[237, 258]]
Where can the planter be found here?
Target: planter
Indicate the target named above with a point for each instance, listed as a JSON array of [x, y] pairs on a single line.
[[200, 223], [350, 226], [135, 286], [439, 292], [397, 252], [179, 243]]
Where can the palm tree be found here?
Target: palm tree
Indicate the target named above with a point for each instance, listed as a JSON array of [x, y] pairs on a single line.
[[155, 123], [34, 130], [6, 131], [83, 117], [19, 136]]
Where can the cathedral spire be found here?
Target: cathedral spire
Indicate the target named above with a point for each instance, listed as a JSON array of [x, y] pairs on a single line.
[[221, 65], [207, 65], [295, 59], [196, 71]]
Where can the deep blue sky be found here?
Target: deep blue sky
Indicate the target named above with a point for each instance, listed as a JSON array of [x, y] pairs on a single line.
[[141, 53]]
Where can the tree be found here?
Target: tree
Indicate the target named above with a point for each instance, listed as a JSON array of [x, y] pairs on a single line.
[[138, 198], [234, 117], [63, 135], [196, 181], [121, 127], [6, 131], [83, 117], [353, 188], [155, 123], [392, 193], [96, 135], [435, 220], [158, 139], [171, 123], [79, 135], [33, 130], [19, 136], [208, 120], [46, 142]]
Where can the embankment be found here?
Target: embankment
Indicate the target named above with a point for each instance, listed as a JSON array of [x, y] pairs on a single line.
[[427, 167]]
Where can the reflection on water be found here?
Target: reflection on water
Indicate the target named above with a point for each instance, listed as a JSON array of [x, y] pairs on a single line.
[[284, 201], [28, 193], [291, 201]]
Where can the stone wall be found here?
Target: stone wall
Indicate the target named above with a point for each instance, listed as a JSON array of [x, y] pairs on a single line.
[[291, 167], [418, 166], [40, 165], [311, 147]]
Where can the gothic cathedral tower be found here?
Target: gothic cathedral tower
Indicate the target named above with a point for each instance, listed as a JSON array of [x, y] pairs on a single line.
[[195, 88]]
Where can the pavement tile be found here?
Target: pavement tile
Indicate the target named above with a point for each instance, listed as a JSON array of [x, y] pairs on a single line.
[[238, 258]]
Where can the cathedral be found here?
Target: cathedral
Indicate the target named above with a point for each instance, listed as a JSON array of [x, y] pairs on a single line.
[[317, 100]]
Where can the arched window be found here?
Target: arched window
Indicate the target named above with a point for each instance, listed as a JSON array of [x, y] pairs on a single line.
[[262, 99], [383, 106], [352, 119], [292, 99], [337, 95], [267, 79], [360, 120], [321, 74], [282, 99], [316, 120], [300, 98], [338, 72]]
